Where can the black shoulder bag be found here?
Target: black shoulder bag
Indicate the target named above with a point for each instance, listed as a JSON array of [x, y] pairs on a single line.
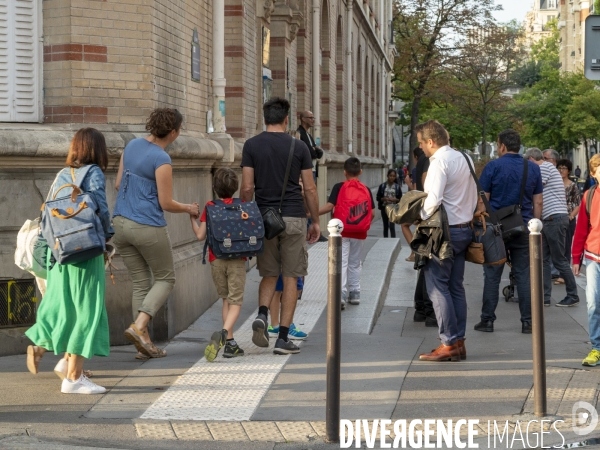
[[511, 217], [272, 218], [487, 246]]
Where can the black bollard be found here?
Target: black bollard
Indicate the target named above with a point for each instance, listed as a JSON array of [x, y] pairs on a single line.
[[536, 268], [334, 331]]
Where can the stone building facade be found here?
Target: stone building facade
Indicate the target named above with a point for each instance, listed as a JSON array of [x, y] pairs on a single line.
[[537, 18], [571, 24], [66, 64]]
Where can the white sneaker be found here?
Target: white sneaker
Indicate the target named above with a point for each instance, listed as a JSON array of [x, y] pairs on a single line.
[[61, 369], [81, 386]]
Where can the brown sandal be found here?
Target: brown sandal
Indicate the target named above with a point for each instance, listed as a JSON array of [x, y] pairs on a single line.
[[157, 352], [142, 357], [133, 335], [33, 358]]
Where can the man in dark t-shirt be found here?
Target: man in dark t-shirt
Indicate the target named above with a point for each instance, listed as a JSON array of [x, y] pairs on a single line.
[[264, 162], [422, 168]]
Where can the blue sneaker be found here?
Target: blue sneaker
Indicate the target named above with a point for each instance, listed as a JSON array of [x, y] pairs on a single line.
[[273, 331], [296, 334]]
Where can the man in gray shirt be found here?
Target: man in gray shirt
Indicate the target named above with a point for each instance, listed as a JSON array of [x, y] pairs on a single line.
[[556, 221]]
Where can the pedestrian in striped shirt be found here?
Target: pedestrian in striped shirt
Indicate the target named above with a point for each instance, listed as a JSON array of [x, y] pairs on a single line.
[[555, 218]]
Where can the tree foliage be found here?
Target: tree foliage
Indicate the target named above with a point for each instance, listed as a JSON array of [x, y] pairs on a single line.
[[559, 109], [429, 34]]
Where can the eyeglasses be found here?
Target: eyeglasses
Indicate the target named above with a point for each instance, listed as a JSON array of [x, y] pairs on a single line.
[[311, 117], [547, 158]]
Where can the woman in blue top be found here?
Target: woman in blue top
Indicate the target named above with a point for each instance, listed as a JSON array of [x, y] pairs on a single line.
[[145, 185]]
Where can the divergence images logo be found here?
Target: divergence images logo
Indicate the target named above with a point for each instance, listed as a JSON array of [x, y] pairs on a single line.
[[581, 418]]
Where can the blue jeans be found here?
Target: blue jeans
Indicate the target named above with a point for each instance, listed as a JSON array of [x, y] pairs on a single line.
[[592, 293], [553, 243], [444, 281], [519, 256]]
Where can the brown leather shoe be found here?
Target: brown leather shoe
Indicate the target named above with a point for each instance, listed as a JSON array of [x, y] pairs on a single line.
[[443, 353], [462, 348]]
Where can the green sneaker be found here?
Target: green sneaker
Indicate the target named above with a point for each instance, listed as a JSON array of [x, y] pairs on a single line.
[[593, 359], [217, 341]]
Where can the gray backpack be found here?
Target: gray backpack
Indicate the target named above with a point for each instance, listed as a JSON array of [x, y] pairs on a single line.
[[70, 224]]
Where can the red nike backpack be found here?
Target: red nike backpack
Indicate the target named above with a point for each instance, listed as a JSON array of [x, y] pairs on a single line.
[[353, 208]]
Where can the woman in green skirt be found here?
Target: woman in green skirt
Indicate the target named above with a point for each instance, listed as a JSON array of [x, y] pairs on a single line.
[[72, 315]]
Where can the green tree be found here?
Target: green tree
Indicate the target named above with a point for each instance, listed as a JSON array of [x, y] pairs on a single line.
[[581, 121], [428, 35], [481, 74]]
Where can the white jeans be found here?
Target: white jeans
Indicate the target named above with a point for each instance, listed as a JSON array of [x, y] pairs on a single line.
[[351, 264]]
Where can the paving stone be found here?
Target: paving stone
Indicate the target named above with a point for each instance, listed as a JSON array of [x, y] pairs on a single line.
[[263, 431], [296, 431], [192, 431], [155, 430], [227, 431]]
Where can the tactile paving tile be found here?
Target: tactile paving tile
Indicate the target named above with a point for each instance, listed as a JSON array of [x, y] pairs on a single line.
[[227, 431], [557, 380], [582, 387], [319, 428], [296, 431], [232, 389], [192, 431], [263, 431], [158, 430]]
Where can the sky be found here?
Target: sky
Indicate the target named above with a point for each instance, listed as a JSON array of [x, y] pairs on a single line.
[[513, 9]]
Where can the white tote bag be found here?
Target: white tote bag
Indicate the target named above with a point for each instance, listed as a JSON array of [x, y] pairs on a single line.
[[27, 241]]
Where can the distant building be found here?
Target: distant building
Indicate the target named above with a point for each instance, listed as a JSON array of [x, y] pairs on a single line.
[[536, 20], [572, 33]]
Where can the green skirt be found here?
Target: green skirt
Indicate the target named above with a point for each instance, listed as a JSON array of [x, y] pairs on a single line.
[[72, 315]]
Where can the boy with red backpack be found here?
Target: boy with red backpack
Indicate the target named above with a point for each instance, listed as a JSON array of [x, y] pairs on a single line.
[[352, 202]]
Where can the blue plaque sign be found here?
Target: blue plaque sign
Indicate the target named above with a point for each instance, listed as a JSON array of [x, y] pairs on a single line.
[[195, 56]]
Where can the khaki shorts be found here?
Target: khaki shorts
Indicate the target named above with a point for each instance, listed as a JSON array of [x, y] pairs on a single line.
[[286, 254], [229, 276]]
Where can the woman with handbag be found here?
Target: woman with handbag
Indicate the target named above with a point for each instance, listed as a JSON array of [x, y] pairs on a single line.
[[564, 167], [72, 316], [145, 185], [388, 193]]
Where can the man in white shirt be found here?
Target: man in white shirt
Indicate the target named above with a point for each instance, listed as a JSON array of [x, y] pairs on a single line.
[[448, 183]]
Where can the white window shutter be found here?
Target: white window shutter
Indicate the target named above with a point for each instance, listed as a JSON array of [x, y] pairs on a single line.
[[20, 61]]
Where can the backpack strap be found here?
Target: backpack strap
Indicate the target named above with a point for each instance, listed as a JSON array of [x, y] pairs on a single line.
[[287, 172], [523, 182], [588, 200], [81, 174], [480, 190]]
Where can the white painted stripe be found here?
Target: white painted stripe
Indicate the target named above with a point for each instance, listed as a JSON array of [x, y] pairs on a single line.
[[231, 389]]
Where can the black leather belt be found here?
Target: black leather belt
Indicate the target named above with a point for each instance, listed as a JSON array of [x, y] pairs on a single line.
[[461, 225]]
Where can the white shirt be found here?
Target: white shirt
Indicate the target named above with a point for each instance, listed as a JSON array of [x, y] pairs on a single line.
[[449, 182]]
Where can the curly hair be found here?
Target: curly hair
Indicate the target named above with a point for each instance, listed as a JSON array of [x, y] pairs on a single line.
[[162, 121]]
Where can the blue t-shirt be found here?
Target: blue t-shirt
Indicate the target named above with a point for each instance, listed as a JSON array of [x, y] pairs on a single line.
[[502, 177], [137, 199]]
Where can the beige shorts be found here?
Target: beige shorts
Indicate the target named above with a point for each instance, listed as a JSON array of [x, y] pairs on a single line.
[[229, 276], [287, 253]]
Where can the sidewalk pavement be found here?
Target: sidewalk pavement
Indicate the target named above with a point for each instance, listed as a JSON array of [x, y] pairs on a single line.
[[264, 401]]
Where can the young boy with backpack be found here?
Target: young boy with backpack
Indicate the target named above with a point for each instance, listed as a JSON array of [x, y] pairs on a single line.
[[352, 202], [228, 271]]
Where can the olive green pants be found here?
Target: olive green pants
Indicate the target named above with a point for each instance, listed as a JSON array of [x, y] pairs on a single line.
[[146, 251]]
